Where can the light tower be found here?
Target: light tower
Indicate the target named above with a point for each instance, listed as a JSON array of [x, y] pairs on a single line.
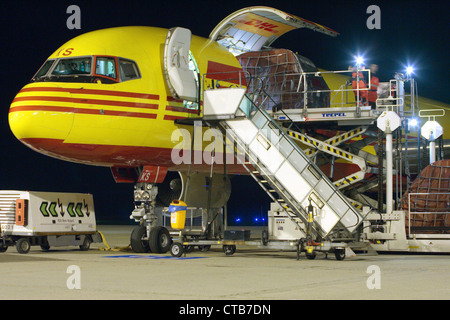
[[388, 122], [432, 130]]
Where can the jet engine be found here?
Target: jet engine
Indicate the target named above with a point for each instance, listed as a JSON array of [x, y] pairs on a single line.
[[196, 189]]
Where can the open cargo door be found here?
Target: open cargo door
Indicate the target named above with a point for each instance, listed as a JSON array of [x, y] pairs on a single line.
[[180, 79], [252, 28]]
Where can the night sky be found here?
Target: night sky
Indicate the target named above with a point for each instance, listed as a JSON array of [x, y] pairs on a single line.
[[412, 32]]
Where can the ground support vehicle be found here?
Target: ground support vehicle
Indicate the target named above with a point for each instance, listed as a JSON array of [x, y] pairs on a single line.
[[282, 234], [46, 219]]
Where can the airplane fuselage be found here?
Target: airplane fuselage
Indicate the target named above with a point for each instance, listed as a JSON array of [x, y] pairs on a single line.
[[102, 99], [120, 117]]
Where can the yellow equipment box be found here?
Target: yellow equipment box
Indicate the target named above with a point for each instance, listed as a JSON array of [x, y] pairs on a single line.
[[177, 211]]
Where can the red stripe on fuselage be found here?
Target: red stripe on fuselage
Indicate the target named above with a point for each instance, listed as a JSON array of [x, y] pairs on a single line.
[[94, 91], [88, 101], [172, 99], [169, 117], [181, 109], [84, 111], [224, 72]]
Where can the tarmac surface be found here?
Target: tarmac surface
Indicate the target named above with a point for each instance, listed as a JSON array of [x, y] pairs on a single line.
[[249, 274]]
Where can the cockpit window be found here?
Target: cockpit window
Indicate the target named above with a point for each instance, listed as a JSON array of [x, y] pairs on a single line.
[[128, 70], [44, 69], [106, 66], [91, 69], [74, 66]]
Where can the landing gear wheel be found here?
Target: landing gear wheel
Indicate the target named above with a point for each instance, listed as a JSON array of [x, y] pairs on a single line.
[[3, 248], [311, 256], [229, 250], [159, 240], [45, 246], [265, 237], [86, 244], [23, 245], [137, 240], [204, 248], [176, 249], [339, 254]]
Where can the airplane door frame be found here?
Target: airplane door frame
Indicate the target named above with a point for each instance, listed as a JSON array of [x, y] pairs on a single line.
[[180, 79]]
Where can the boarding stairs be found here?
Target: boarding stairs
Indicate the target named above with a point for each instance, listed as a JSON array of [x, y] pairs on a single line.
[[279, 166], [330, 146]]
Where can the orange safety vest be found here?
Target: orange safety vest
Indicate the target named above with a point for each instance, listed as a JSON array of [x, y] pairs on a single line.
[[374, 83], [363, 94]]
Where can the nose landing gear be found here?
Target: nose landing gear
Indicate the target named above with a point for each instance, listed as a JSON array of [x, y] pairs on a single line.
[[148, 236]]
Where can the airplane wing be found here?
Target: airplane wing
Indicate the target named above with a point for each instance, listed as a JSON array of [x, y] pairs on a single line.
[[250, 29]]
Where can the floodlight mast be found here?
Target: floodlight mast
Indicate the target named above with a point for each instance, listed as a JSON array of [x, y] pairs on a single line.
[[409, 77], [388, 122], [359, 62], [412, 90], [432, 130]]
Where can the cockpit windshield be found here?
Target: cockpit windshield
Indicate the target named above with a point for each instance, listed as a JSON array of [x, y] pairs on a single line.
[[104, 69], [74, 66]]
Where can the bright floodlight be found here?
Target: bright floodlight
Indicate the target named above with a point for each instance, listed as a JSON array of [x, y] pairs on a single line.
[[409, 70], [412, 122], [359, 60]]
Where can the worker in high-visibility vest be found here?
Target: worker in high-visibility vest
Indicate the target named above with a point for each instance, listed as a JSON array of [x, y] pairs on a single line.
[[363, 94], [374, 83]]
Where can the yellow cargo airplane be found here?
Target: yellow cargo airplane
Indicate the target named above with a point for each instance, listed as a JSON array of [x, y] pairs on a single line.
[[107, 97], [111, 97]]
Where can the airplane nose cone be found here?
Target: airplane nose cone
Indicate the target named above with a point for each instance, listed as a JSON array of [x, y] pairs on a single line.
[[36, 116]]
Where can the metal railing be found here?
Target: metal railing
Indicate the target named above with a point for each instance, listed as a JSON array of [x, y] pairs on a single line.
[[293, 90], [196, 219]]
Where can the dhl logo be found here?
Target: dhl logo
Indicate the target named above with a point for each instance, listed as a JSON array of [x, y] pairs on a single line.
[[73, 209], [261, 25]]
